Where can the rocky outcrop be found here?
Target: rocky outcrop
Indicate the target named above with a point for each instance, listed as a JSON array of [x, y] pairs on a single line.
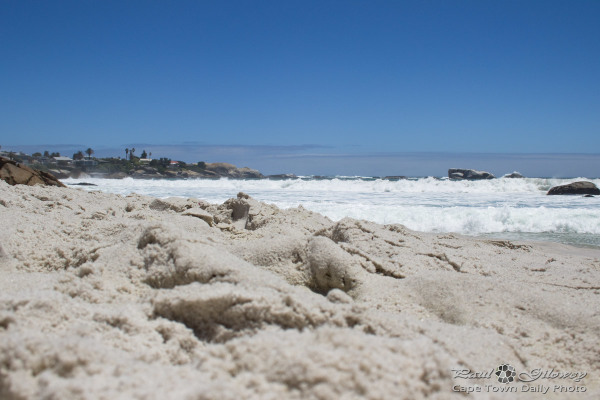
[[65, 173], [249, 173], [151, 173], [468, 174], [231, 171], [581, 187], [211, 171], [15, 173], [513, 175]]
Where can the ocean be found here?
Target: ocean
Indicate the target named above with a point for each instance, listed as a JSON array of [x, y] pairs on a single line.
[[516, 209]]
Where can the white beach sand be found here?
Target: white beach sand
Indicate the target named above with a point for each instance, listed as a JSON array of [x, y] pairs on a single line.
[[111, 297]]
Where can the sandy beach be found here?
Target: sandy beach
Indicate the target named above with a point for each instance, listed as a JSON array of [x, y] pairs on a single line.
[[117, 297]]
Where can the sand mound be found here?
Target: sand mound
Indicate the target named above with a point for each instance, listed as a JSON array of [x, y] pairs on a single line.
[[104, 296]]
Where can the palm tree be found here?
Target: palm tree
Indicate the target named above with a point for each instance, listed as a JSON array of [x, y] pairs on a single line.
[[126, 154], [89, 152], [131, 153]]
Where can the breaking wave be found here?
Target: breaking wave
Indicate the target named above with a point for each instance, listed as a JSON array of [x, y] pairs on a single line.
[[427, 204]]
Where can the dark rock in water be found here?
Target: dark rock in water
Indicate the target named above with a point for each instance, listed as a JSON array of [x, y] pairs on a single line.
[[468, 174], [395, 178], [514, 175], [581, 187], [589, 195], [15, 173], [282, 177], [84, 184]]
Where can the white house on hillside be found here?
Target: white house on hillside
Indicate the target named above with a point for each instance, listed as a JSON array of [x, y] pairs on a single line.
[[62, 160], [85, 163]]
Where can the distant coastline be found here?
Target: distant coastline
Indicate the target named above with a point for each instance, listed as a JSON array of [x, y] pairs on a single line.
[[133, 167], [395, 166], [164, 168]]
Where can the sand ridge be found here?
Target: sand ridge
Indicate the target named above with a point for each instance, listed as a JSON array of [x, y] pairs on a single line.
[[105, 296]]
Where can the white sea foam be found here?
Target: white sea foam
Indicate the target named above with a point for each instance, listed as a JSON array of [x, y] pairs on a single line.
[[428, 204]]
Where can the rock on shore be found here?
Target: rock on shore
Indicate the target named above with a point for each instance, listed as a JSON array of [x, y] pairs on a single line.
[[581, 187], [106, 296], [15, 173]]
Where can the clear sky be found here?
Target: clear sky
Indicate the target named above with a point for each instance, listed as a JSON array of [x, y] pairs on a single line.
[[286, 81]]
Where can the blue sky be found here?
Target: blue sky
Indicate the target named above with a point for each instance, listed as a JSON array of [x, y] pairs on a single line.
[[305, 86]]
